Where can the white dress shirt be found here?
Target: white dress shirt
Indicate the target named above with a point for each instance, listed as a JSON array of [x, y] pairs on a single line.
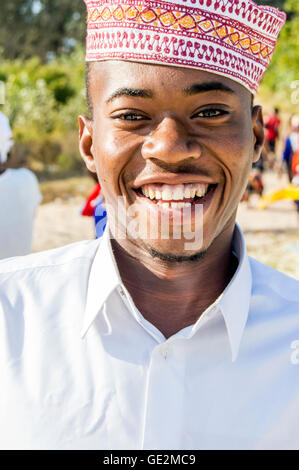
[[82, 369]]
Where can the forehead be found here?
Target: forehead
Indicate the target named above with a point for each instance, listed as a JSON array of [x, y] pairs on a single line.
[[107, 76]]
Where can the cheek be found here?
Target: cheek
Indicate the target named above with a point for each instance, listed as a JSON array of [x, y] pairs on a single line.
[[239, 152], [240, 167], [244, 155], [235, 153], [113, 153]]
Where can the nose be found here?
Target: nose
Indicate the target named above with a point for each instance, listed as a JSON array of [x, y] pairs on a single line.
[[171, 143]]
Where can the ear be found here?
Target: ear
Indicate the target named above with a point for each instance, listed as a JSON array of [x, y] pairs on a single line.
[[258, 132], [85, 142]]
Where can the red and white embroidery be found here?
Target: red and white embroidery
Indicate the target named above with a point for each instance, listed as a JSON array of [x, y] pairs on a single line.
[[234, 38]]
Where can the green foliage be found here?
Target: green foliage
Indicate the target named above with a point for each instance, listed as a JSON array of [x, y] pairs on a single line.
[[42, 102], [284, 68], [292, 6], [40, 27], [43, 94], [274, 3]]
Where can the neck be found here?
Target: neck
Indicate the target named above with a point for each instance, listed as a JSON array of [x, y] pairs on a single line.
[[173, 295]]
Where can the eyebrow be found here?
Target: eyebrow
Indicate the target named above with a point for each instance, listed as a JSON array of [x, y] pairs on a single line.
[[188, 91], [205, 87], [135, 92]]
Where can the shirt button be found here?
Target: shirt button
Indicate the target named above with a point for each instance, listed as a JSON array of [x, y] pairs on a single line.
[[165, 352]]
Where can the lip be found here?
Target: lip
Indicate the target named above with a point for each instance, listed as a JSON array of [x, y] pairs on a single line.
[[169, 178]]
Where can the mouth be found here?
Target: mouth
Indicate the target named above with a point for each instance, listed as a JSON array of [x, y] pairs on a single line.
[[176, 196]]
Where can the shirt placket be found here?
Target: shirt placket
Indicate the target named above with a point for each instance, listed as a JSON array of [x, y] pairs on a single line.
[[164, 399]]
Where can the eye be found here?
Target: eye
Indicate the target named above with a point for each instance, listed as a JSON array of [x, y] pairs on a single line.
[[210, 113], [129, 117]]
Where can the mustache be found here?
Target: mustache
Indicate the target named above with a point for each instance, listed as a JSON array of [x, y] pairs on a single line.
[[161, 167], [182, 167]]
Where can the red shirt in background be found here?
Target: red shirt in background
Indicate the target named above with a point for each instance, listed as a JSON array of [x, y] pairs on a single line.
[[272, 126], [89, 208]]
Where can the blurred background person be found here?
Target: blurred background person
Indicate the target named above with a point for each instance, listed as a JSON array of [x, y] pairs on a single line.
[[291, 155], [291, 162], [254, 186], [291, 147], [6, 141], [272, 124], [19, 198], [295, 182], [94, 207]]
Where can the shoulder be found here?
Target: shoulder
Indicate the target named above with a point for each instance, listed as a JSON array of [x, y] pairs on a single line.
[[25, 174], [273, 286], [27, 184], [42, 299], [17, 266], [273, 318], [3, 119]]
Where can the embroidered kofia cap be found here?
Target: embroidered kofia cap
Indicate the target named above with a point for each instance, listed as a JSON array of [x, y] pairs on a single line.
[[232, 38]]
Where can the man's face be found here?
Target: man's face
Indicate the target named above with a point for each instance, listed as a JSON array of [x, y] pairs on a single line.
[[169, 132]]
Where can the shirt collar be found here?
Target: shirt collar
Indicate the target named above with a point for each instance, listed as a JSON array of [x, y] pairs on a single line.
[[234, 301], [103, 279]]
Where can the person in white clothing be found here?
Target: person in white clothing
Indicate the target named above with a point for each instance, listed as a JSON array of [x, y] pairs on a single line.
[[156, 339], [6, 141], [19, 196]]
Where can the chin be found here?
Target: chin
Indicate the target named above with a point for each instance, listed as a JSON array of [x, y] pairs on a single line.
[[175, 251]]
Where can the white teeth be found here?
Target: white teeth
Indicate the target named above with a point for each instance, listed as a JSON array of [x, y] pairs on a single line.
[[166, 194], [174, 205], [158, 194], [151, 193], [183, 205], [165, 205], [201, 191], [187, 193], [178, 192], [144, 190]]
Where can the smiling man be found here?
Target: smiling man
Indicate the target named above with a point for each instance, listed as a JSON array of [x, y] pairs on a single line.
[[164, 334], [169, 141]]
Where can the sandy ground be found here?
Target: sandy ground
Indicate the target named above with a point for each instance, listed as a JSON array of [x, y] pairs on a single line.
[[271, 235]]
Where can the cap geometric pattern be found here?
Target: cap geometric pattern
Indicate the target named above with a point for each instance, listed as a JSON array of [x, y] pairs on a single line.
[[234, 38]]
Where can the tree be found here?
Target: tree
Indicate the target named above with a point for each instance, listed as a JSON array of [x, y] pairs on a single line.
[[284, 70], [41, 27], [289, 6], [273, 3]]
